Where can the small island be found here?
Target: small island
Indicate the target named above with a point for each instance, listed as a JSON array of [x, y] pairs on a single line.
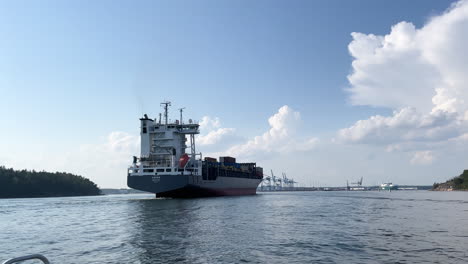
[[459, 183], [28, 184]]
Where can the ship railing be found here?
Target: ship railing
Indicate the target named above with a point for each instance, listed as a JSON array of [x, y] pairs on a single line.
[[28, 257], [189, 129], [139, 171]]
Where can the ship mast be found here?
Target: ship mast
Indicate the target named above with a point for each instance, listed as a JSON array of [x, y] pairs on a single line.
[[181, 110], [166, 107]]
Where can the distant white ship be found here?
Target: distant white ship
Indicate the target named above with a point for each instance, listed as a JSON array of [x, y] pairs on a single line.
[[388, 186]]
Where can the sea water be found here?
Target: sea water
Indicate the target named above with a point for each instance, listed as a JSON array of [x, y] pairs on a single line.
[[275, 227]]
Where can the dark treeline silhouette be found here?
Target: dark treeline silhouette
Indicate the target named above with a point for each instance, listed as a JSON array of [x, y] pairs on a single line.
[[24, 183], [459, 183]]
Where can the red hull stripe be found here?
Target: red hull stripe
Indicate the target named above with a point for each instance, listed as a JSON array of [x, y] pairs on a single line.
[[189, 192]]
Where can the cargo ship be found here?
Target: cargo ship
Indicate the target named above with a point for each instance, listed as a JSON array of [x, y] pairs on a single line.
[[167, 170]]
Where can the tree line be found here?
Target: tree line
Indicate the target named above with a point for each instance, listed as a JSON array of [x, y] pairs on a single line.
[[457, 183], [25, 183]]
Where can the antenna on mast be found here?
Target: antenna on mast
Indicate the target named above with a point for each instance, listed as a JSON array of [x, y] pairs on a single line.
[[181, 110], [159, 118], [166, 107]]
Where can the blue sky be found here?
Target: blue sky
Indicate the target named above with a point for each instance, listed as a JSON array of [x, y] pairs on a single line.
[[73, 72]]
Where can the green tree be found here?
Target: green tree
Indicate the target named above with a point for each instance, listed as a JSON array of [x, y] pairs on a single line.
[[24, 183]]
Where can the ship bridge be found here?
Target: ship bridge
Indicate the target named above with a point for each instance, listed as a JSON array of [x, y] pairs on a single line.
[[164, 143]]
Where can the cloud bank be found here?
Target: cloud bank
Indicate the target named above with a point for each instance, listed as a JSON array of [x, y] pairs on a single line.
[[421, 74], [422, 157], [105, 162], [215, 134], [281, 137]]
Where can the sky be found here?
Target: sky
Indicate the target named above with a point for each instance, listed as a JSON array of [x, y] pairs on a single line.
[[325, 91]]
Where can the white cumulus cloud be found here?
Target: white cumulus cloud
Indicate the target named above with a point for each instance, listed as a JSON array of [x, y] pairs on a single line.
[[105, 162], [406, 125], [422, 157], [421, 74], [215, 133], [282, 136]]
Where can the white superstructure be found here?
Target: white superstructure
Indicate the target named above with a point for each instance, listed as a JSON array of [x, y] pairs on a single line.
[[164, 144]]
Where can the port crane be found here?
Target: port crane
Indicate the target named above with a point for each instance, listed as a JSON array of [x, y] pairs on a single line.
[[266, 183], [358, 183], [288, 183], [276, 183], [354, 185]]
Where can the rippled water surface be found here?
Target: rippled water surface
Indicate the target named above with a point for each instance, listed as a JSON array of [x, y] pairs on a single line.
[[294, 227]]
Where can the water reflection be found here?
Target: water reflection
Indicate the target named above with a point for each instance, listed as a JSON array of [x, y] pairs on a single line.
[[198, 230]]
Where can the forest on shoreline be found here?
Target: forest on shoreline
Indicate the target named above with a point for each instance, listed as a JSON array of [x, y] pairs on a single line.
[[26, 184], [459, 183]]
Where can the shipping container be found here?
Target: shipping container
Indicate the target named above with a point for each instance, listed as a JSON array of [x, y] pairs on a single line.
[[227, 159], [210, 159], [259, 171]]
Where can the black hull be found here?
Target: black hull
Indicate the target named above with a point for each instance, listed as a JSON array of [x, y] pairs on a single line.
[[190, 186], [192, 191]]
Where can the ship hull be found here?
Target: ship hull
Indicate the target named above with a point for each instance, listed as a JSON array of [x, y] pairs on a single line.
[[387, 188], [190, 186], [193, 191]]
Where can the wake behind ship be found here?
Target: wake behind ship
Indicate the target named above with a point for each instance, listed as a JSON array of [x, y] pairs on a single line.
[[164, 167]]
